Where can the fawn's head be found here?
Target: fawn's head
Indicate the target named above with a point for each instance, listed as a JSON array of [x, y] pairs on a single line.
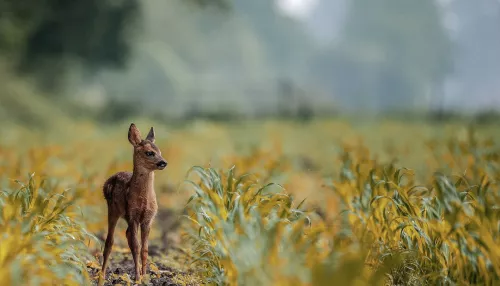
[[146, 153]]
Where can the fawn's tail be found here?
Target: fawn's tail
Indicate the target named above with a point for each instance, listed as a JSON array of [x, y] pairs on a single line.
[[116, 185], [108, 187]]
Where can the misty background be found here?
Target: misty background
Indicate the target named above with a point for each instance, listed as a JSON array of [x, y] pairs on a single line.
[[180, 59]]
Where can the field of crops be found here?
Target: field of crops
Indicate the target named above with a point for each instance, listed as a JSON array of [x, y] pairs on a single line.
[[260, 203]]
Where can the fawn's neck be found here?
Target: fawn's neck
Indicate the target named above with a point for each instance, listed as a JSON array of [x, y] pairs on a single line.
[[142, 180]]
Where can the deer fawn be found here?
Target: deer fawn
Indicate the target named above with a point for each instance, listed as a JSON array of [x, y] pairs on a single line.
[[131, 196]]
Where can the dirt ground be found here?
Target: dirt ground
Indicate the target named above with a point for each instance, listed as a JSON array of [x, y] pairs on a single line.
[[121, 270], [168, 261]]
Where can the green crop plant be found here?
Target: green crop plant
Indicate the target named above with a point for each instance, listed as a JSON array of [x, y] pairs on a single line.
[[387, 228], [41, 240]]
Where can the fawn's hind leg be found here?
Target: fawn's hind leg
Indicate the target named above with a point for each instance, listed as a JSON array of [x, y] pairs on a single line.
[[112, 220]]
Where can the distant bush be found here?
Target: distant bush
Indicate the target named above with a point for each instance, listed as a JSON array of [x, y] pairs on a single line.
[[116, 110], [489, 116]]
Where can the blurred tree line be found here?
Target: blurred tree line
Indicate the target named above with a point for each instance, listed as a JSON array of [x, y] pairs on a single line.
[[477, 41], [46, 35], [183, 58], [43, 36], [391, 55]]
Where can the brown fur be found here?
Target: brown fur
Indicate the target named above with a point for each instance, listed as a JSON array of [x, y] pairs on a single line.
[[131, 196]]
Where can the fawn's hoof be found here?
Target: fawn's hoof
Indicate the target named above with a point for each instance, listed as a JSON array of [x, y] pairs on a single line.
[[102, 278]]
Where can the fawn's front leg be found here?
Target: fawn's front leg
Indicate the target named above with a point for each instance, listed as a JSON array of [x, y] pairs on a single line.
[[133, 244], [145, 227]]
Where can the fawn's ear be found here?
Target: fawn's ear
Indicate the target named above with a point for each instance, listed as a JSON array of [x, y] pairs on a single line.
[[134, 136], [151, 135]]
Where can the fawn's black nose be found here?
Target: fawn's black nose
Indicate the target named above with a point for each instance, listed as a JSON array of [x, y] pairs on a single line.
[[162, 164]]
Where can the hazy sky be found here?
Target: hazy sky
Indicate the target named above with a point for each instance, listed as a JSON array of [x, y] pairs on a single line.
[[297, 8]]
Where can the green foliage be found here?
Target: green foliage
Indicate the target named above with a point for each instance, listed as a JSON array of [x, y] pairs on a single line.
[[443, 232], [42, 242], [247, 234], [390, 54], [22, 104], [218, 60], [450, 227], [50, 37], [50, 31], [371, 223]]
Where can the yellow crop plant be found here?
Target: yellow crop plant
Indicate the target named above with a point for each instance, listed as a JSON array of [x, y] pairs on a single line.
[[387, 228], [270, 206]]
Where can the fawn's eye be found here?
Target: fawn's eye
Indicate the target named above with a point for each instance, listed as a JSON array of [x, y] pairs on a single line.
[[150, 153]]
